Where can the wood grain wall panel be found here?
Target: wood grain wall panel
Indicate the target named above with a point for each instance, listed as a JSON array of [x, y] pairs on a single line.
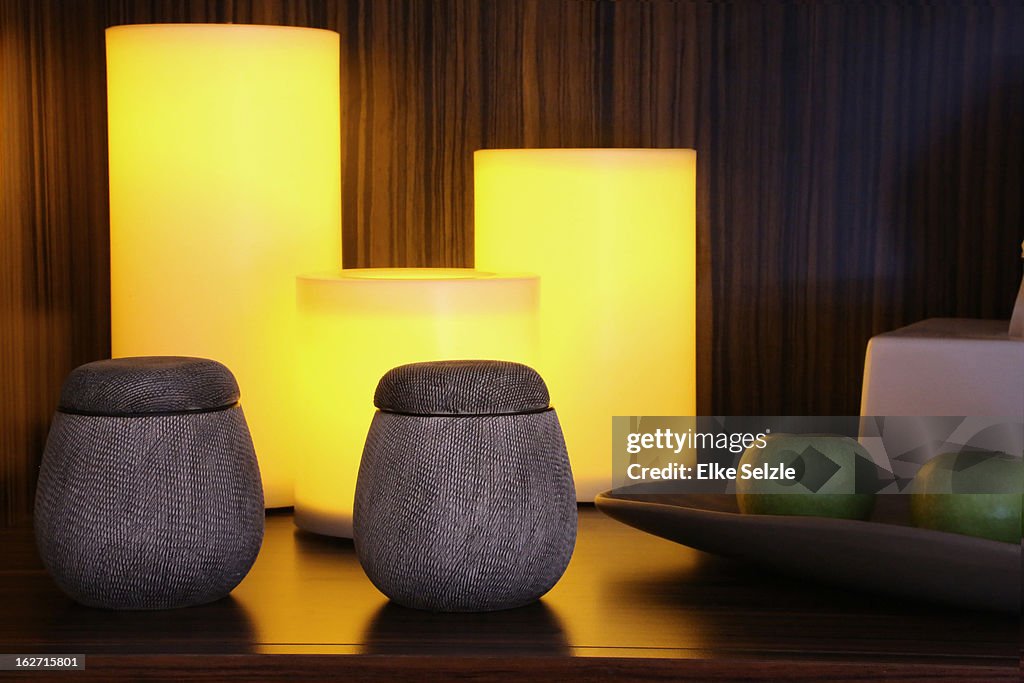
[[54, 268], [16, 231], [865, 174], [859, 165], [411, 94]]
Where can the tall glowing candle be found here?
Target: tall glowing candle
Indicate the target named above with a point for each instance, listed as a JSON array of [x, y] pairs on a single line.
[[225, 183], [358, 324], [611, 232]]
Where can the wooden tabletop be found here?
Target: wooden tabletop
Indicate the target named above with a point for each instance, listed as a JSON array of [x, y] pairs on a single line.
[[630, 606]]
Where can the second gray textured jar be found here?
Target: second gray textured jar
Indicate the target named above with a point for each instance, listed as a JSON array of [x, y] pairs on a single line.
[[465, 499]]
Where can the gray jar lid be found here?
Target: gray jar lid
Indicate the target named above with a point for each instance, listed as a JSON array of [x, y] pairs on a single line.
[[462, 387], [147, 385]]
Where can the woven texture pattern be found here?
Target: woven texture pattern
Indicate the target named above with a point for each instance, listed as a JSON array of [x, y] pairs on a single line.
[[461, 387], [148, 384], [151, 512], [465, 514]]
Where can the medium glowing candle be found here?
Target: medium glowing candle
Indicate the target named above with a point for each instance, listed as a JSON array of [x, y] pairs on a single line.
[[225, 183], [611, 233], [358, 324]]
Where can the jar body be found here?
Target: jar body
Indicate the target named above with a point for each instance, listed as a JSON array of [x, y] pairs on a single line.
[[149, 512], [465, 513]]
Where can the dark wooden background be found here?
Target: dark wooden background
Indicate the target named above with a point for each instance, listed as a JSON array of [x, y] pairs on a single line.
[[860, 165]]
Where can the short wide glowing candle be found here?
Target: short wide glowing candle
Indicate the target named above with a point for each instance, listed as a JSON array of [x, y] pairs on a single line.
[[611, 233], [225, 183], [358, 324]]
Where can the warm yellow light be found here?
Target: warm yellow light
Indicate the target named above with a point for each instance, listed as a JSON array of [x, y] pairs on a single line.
[[357, 325], [225, 183], [611, 233]]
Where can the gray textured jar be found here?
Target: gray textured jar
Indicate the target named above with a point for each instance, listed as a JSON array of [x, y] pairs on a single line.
[[465, 500], [149, 494]]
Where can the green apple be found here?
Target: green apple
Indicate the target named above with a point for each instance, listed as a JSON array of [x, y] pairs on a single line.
[[977, 494], [822, 479]]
